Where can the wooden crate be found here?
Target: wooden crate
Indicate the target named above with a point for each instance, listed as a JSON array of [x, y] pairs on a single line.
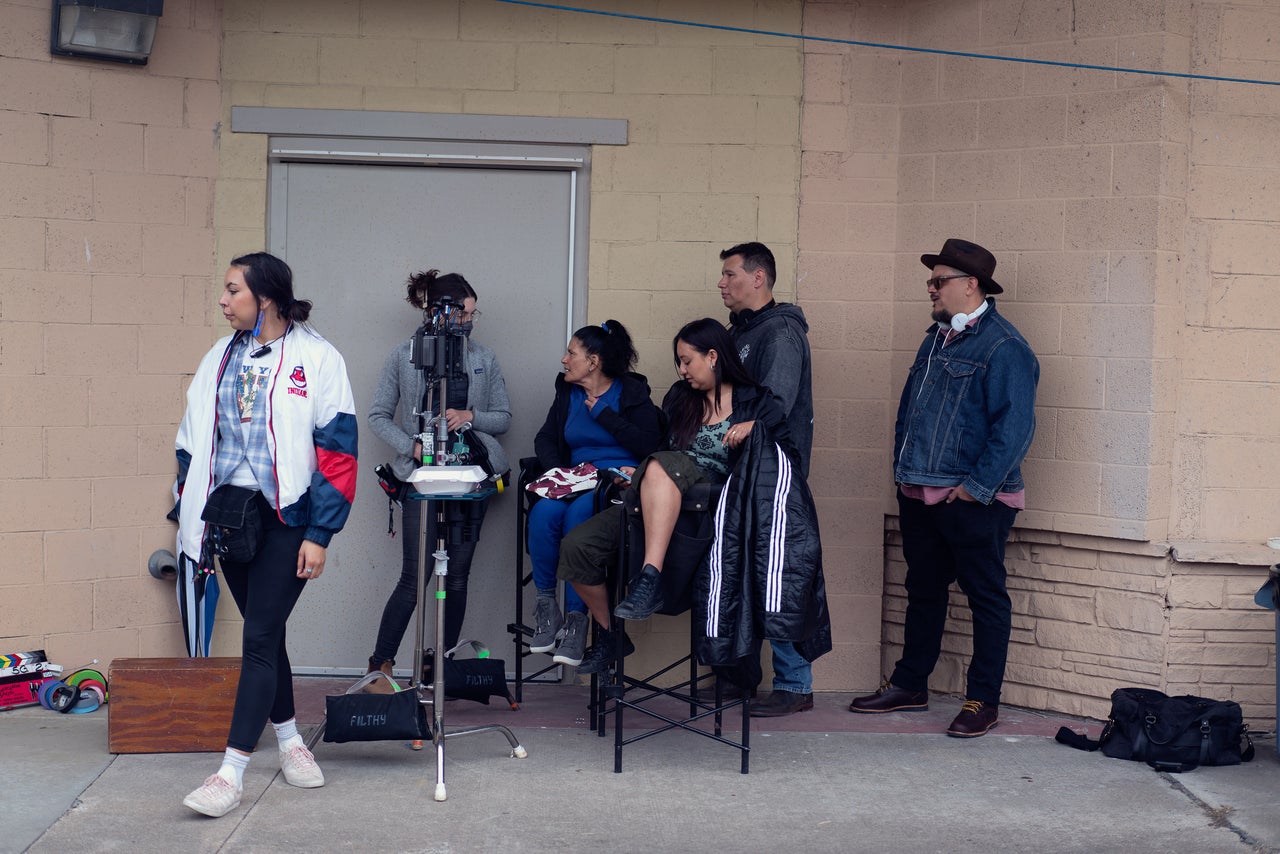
[[171, 705]]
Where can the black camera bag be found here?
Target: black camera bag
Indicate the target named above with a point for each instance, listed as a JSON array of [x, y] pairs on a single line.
[[1170, 733]]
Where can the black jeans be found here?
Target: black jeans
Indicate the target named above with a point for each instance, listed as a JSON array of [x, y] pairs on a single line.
[[400, 607], [964, 542], [265, 590]]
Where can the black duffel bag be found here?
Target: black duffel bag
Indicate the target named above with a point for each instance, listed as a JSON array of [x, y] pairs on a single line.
[[1169, 733]]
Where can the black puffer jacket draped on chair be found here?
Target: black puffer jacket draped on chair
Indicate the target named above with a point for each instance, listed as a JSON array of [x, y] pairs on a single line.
[[763, 575]]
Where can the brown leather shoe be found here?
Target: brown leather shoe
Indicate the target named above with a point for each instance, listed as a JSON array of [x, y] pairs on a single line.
[[891, 698], [975, 718], [781, 703]]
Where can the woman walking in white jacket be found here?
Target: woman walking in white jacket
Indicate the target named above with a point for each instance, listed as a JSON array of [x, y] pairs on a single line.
[[266, 475]]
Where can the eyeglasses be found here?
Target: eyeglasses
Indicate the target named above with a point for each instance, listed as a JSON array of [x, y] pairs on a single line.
[[936, 281]]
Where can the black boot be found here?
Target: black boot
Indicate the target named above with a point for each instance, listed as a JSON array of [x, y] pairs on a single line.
[[644, 597], [608, 648]]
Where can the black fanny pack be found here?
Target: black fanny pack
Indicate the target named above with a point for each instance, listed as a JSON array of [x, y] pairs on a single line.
[[234, 524]]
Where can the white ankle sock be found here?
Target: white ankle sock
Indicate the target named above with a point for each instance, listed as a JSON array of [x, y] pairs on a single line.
[[287, 734], [233, 764]]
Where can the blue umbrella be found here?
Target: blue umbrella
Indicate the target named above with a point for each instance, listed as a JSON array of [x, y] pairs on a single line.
[[198, 592]]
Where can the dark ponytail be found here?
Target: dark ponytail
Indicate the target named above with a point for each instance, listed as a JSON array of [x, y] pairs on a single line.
[[268, 277], [611, 344]]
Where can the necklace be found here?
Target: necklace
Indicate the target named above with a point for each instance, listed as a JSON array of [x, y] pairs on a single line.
[[263, 349]]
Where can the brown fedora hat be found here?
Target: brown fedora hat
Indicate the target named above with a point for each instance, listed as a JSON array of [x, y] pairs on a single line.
[[968, 258]]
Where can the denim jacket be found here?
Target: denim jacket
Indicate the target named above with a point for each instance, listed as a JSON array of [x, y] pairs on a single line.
[[967, 412]]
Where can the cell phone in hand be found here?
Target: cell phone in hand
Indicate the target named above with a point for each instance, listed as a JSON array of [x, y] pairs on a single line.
[[618, 473]]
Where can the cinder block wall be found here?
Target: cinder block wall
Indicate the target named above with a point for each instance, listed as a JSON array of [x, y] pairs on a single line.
[[1131, 230], [106, 215], [712, 156]]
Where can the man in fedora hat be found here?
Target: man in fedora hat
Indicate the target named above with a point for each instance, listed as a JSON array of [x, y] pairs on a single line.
[[965, 422]]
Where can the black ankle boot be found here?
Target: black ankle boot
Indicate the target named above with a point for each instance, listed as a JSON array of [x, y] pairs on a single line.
[[608, 648]]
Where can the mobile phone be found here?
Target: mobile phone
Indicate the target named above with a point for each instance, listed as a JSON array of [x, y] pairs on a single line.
[[618, 473]]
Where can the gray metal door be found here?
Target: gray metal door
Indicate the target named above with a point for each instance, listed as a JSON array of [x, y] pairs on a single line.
[[353, 233]]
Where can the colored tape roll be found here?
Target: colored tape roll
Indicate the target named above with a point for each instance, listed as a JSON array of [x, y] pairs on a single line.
[[97, 686], [78, 676], [40, 694], [88, 676], [86, 701], [63, 698], [46, 693]]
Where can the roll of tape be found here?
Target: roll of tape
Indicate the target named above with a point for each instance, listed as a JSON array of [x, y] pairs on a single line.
[[86, 701], [78, 676], [97, 692], [88, 674], [63, 698], [43, 694]]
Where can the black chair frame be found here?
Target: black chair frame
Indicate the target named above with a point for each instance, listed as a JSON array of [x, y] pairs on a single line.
[[619, 692], [521, 632]]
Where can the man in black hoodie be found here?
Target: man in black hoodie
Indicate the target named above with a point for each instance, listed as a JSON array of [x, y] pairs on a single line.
[[773, 342]]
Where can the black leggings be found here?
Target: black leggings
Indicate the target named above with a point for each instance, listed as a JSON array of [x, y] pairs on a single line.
[[403, 602], [265, 589]]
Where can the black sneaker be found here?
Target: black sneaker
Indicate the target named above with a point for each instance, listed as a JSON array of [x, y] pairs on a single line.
[[644, 597], [605, 651]]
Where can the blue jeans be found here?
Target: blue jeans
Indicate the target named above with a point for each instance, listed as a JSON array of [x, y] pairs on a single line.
[[964, 542], [790, 670], [549, 521]]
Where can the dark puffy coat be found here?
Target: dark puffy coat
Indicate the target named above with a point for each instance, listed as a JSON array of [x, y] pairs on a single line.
[[637, 426], [763, 577]]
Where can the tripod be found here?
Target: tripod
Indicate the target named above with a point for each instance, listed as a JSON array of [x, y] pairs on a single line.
[[444, 480], [434, 693]]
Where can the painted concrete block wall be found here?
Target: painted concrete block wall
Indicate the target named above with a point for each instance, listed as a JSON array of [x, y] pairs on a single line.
[[107, 178], [1227, 442], [1131, 216], [1131, 236], [712, 157]]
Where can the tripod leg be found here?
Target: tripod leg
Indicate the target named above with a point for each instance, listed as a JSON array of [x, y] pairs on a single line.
[[437, 689]]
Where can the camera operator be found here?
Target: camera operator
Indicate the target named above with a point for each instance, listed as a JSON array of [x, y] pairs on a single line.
[[477, 396]]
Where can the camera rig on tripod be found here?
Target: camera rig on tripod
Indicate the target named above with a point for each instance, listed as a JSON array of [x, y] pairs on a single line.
[[439, 353]]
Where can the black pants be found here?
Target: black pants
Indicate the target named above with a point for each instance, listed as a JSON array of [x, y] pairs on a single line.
[[265, 589], [964, 542], [400, 607]]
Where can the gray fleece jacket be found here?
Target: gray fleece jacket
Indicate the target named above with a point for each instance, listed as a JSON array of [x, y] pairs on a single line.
[[401, 384]]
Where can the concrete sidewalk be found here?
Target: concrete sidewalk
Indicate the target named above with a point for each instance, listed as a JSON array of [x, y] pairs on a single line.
[[824, 780]]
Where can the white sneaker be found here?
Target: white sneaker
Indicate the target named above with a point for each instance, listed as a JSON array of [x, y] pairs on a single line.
[[215, 798], [300, 768]]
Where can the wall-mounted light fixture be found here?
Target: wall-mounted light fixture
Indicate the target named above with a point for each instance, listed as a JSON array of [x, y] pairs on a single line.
[[117, 30]]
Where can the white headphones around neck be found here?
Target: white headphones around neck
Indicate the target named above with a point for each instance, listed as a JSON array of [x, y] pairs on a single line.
[[961, 320]]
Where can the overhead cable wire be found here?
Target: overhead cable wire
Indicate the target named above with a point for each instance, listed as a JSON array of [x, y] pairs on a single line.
[[855, 43]]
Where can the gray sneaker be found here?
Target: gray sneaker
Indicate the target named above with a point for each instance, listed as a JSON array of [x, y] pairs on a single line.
[[547, 621], [574, 641]]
